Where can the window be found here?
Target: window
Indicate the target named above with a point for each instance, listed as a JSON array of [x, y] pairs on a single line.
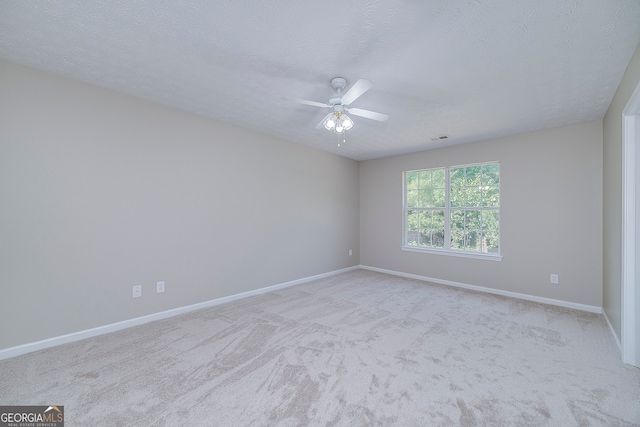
[[453, 210]]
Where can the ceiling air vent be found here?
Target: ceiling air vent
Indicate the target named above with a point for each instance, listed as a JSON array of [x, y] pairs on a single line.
[[440, 138]]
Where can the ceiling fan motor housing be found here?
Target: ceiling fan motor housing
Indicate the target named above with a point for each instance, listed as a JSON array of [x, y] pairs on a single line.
[[338, 84]]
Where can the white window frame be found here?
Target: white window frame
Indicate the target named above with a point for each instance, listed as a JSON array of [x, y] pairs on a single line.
[[447, 219]]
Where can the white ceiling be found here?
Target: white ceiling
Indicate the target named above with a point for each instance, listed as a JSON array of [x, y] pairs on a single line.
[[471, 69]]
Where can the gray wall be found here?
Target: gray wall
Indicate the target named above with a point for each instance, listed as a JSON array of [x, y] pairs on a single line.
[[551, 214], [612, 184], [100, 191]]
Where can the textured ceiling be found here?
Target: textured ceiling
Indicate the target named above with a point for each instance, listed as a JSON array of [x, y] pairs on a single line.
[[471, 69]]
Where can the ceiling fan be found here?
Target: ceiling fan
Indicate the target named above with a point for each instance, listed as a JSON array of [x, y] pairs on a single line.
[[337, 121]]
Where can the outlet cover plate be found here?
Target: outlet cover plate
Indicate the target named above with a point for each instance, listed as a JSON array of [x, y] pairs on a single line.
[[160, 287], [553, 278], [136, 291]]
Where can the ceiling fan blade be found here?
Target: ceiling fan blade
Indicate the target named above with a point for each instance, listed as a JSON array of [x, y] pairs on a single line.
[[304, 101], [358, 88], [368, 114], [320, 125]]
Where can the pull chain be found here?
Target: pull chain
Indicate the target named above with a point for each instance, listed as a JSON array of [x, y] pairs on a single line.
[[344, 138]]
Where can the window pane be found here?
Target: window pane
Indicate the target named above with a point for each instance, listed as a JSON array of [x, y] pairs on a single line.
[[437, 229], [412, 198], [437, 238], [473, 176], [426, 198], [457, 197], [472, 197], [491, 174], [472, 220], [437, 178], [425, 237], [412, 220], [490, 231], [491, 220], [457, 240], [472, 240], [438, 198], [412, 180], [438, 220], [425, 220], [425, 179], [425, 228], [456, 177], [490, 242], [457, 229], [457, 219], [413, 227], [490, 196]]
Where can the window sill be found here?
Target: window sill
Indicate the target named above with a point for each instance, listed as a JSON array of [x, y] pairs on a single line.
[[476, 255]]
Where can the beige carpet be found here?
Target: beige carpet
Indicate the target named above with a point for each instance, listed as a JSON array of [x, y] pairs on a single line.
[[358, 349]]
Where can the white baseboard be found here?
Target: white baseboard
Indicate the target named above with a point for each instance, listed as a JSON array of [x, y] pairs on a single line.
[[100, 330], [560, 303], [613, 332]]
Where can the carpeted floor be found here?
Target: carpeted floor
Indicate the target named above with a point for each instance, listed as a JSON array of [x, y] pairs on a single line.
[[357, 349]]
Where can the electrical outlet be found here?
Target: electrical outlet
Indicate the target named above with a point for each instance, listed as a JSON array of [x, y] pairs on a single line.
[[136, 291], [160, 287], [350, 252], [553, 278]]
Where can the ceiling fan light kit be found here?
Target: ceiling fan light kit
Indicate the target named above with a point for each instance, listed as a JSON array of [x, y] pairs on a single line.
[[338, 121]]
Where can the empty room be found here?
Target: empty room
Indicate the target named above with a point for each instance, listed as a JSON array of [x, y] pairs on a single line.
[[327, 213]]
